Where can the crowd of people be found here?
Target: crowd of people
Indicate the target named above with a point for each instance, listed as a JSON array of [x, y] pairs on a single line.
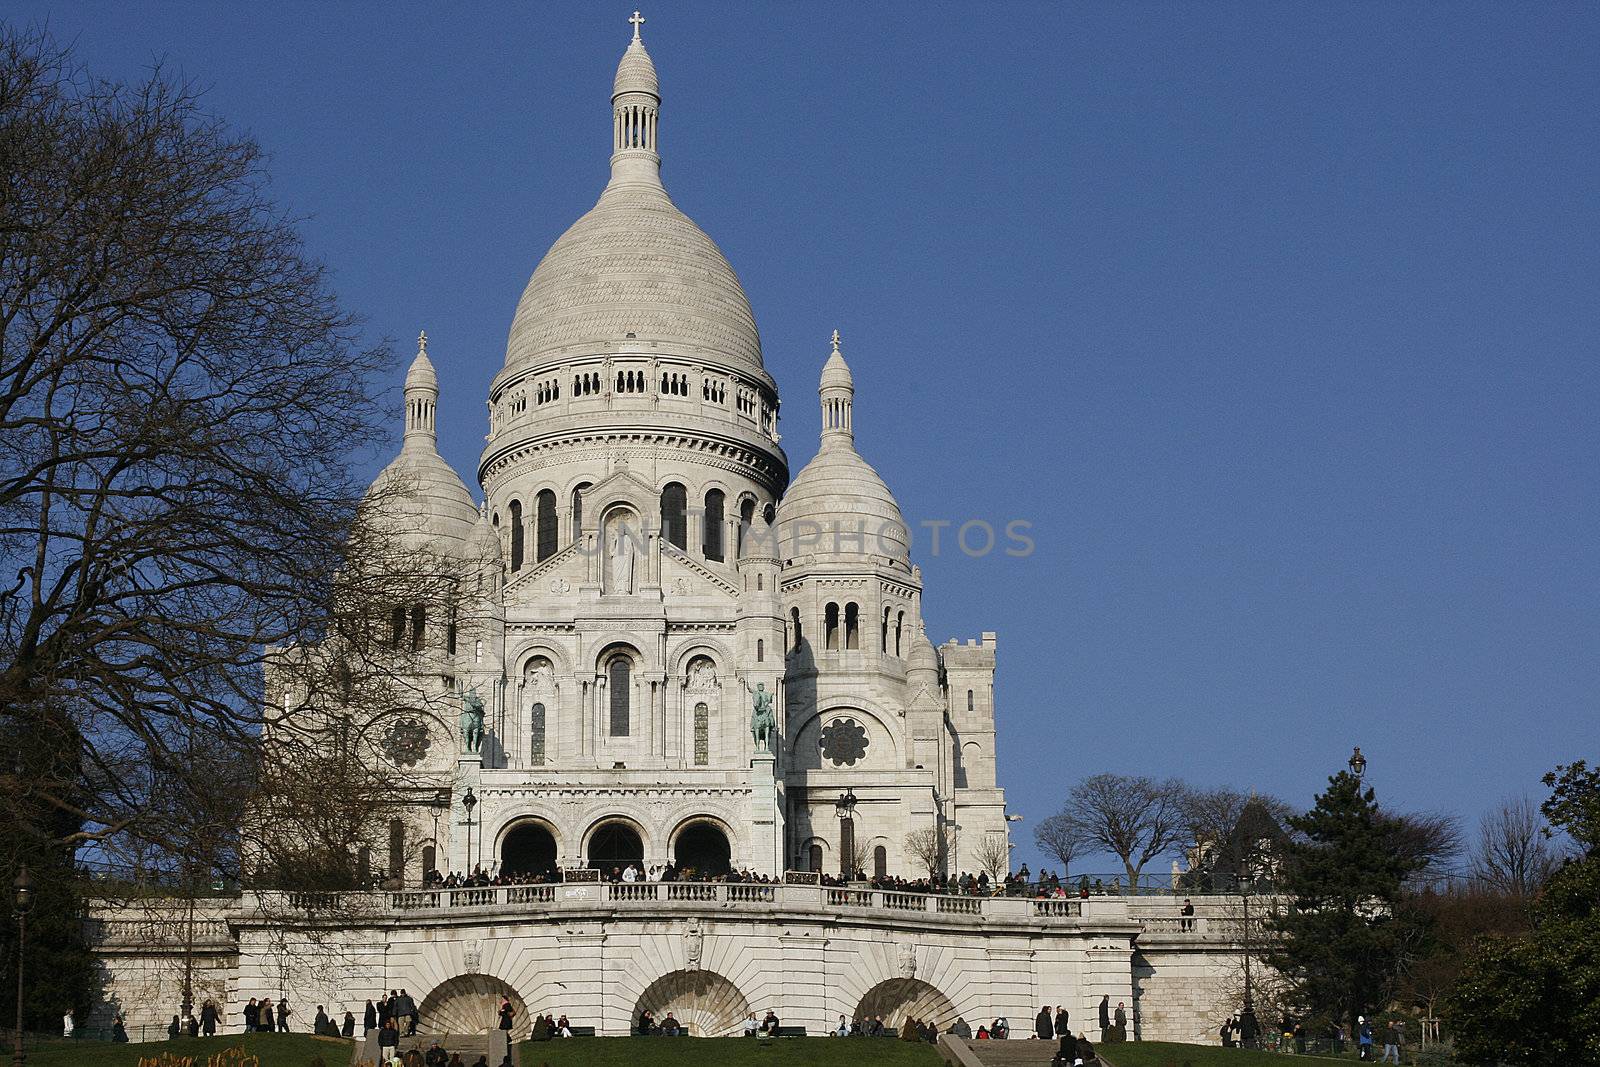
[[1243, 1031], [1018, 884]]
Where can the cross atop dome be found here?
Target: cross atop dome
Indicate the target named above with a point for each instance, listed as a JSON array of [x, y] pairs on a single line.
[[836, 340], [638, 21], [422, 341]]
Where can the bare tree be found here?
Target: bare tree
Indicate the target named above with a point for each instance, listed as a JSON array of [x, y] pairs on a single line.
[[180, 400], [993, 854], [1059, 836], [929, 845], [1427, 843], [1514, 855], [1136, 819], [1212, 814]]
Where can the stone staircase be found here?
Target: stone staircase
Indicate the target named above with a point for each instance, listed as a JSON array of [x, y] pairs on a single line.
[[492, 1046], [1012, 1052]]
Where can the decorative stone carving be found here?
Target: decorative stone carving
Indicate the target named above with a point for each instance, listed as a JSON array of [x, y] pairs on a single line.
[[472, 957], [702, 676], [907, 959], [693, 942]]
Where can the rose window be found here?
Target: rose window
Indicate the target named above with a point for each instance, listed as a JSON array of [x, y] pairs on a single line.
[[844, 741], [406, 743]]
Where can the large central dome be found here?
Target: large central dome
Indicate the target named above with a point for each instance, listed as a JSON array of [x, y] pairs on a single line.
[[634, 267]]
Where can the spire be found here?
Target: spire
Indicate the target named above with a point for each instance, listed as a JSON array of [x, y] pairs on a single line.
[[635, 114], [837, 392], [421, 397]]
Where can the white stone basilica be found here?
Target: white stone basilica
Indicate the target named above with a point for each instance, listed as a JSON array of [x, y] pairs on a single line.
[[641, 566], [654, 566]]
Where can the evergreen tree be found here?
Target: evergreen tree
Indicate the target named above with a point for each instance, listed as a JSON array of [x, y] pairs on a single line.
[[1535, 999], [1342, 937]]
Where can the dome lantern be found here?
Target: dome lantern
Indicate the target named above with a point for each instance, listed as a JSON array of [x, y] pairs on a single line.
[[636, 114], [837, 391], [421, 397]]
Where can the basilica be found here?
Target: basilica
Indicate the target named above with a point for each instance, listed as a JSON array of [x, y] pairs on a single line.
[[650, 574], [679, 656]]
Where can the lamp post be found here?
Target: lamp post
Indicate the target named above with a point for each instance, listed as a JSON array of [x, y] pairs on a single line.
[[1358, 763], [1249, 1028], [469, 802], [845, 808], [22, 903], [437, 809]]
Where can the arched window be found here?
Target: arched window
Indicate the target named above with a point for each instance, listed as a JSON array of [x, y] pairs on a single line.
[[516, 535], [747, 515], [814, 857], [429, 862], [577, 510], [852, 626], [794, 622], [419, 626], [536, 732], [702, 735], [830, 628], [761, 650], [544, 525], [675, 515], [620, 678], [884, 646], [969, 700], [712, 542], [880, 862], [397, 628], [899, 625], [397, 848]]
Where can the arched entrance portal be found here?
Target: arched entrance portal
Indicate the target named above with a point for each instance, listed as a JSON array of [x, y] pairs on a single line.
[[899, 999], [615, 844], [707, 1003], [470, 1004], [528, 848], [702, 848]]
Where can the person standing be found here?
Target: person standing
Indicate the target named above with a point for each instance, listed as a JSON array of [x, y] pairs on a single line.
[[388, 1037], [1063, 1029], [348, 1028], [208, 1019], [283, 1016], [1391, 1043], [507, 1013], [1364, 1037], [1119, 1019], [66, 1023], [369, 1020], [252, 1016], [1105, 1015], [119, 1031], [1044, 1024], [266, 1017]]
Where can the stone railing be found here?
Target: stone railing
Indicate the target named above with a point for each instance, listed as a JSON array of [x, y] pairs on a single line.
[[201, 932]]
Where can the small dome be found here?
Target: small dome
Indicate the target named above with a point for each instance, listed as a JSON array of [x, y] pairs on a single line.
[[484, 546], [836, 373], [839, 506], [422, 375], [636, 73], [923, 657], [421, 497]]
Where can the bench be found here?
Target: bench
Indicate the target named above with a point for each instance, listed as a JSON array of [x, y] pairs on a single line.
[[581, 1031], [791, 1031]]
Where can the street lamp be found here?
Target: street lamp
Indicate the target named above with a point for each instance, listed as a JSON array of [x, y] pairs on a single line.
[[22, 903], [845, 808], [1249, 1028], [437, 809], [469, 802], [1358, 763]]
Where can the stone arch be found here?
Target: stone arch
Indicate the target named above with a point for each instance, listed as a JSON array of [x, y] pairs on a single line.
[[899, 999], [692, 833], [883, 749], [527, 653], [516, 841], [603, 830], [470, 1004], [709, 1004], [711, 649]]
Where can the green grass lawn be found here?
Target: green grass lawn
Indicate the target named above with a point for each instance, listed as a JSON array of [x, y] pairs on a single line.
[[1171, 1054], [726, 1052], [274, 1050]]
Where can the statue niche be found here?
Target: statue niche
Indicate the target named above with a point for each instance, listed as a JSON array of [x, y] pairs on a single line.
[[624, 537]]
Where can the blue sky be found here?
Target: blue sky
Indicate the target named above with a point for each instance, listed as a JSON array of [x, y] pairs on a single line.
[[1277, 321]]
